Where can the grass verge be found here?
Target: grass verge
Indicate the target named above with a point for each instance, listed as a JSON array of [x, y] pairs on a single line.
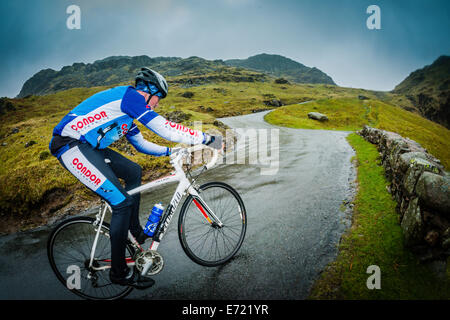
[[375, 238]]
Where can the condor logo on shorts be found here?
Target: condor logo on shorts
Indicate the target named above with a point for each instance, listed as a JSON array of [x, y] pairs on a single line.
[[82, 169]]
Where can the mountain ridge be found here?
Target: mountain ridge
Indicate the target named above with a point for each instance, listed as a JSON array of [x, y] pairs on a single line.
[[119, 69], [281, 66], [428, 89]]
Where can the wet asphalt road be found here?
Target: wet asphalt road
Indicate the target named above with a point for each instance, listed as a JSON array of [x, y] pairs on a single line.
[[295, 221]]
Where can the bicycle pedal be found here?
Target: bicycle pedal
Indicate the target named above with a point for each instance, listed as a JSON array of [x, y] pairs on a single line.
[[146, 267]]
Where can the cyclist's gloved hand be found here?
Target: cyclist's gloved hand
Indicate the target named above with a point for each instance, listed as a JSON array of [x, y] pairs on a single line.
[[214, 142], [173, 150]]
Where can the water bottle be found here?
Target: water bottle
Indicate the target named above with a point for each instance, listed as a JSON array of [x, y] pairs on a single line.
[[153, 219]]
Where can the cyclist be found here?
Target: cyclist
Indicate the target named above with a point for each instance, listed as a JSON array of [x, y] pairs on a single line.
[[80, 142]]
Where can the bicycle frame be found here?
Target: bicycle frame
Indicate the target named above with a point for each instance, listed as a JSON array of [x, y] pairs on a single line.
[[184, 186]]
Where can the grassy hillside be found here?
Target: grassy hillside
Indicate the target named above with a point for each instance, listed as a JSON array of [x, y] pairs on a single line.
[[351, 114]]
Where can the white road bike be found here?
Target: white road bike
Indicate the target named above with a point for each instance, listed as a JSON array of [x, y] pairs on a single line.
[[211, 228]]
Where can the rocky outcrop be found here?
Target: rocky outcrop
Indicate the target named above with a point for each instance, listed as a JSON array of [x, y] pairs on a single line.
[[6, 105], [188, 72], [184, 72], [428, 89], [282, 67], [177, 116], [187, 94], [281, 81], [421, 187], [273, 103]]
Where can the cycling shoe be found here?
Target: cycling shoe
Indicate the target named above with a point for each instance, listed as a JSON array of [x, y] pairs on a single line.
[[133, 279], [142, 237]]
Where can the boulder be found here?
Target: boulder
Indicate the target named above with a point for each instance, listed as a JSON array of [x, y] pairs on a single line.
[[281, 81], [177, 116], [416, 168], [44, 155], [187, 94], [124, 146], [414, 146], [371, 134], [446, 244], [6, 105], [412, 224], [391, 147], [220, 124], [446, 239], [403, 207], [221, 91], [273, 103], [432, 237], [434, 191], [406, 159], [259, 110], [389, 140], [30, 143], [317, 116]]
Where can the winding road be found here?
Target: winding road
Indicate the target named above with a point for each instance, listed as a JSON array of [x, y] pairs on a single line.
[[295, 221]]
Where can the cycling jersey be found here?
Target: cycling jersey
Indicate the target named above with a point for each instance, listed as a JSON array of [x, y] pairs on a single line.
[[108, 116]]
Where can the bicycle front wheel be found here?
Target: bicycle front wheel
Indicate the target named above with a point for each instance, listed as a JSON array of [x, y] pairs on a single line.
[[212, 227], [69, 249]]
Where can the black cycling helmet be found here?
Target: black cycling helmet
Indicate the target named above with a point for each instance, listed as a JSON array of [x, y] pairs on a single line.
[[150, 76]]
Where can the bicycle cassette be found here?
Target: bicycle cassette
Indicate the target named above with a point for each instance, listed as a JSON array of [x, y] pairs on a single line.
[[149, 262]]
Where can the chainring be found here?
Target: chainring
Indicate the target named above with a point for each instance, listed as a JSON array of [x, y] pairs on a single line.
[[149, 256]]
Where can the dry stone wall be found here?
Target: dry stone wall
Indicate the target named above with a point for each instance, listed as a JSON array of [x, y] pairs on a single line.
[[421, 187]]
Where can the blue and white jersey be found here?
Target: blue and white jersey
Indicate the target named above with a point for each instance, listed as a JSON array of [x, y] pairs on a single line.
[[108, 115]]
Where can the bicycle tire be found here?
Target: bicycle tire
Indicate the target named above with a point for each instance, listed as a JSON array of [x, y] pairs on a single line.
[[185, 223], [53, 238]]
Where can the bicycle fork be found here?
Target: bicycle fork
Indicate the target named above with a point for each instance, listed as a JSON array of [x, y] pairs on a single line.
[[206, 212]]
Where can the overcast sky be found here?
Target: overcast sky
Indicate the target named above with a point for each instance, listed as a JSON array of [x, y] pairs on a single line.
[[329, 34]]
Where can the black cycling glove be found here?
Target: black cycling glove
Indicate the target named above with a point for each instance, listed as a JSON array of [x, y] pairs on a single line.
[[214, 142]]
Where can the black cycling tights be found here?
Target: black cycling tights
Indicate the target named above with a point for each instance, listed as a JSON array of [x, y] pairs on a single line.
[[100, 171]]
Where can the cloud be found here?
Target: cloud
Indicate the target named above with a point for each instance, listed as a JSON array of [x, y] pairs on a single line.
[[236, 3], [329, 35]]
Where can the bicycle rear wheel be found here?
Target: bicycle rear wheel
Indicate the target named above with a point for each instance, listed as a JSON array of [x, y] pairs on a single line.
[[202, 239], [69, 249]]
